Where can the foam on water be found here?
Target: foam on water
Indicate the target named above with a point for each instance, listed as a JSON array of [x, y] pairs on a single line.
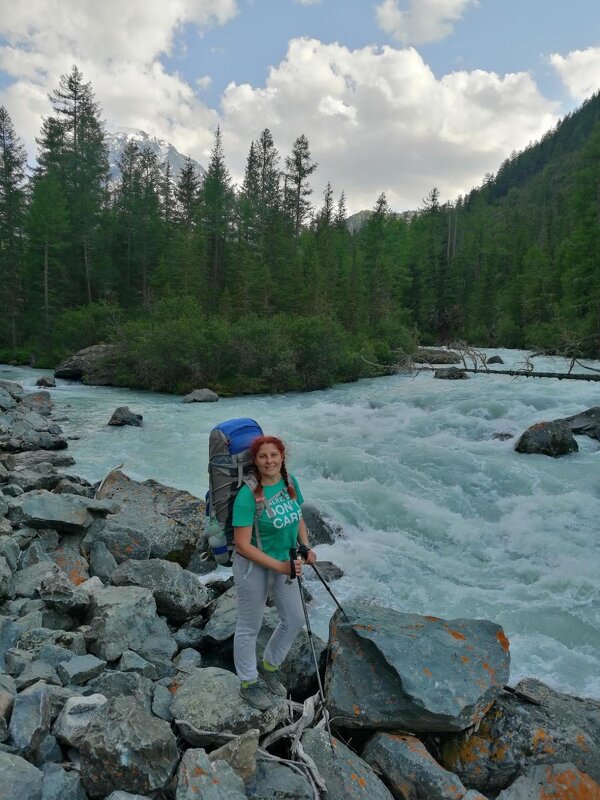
[[440, 518]]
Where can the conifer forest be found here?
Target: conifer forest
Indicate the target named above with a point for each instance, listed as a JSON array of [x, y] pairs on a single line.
[[262, 286]]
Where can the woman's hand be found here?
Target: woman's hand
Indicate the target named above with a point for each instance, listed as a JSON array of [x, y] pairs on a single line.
[[310, 557], [284, 567]]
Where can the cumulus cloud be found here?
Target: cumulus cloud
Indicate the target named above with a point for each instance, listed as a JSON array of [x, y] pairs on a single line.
[[424, 21], [379, 120], [117, 46], [579, 71]]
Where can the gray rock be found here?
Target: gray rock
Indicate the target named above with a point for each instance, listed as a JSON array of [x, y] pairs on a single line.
[[49, 751], [548, 438], [93, 365], [12, 490], [59, 511], [191, 634], [19, 780], [33, 640], [35, 553], [240, 754], [132, 662], [172, 520], [123, 416], [188, 660], [516, 734], [9, 635], [328, 571], [6, 582], [586, 423], [494, 360], [9, 550], [388, 670], [178, 593], [34, 459], [54, 654], [221, 625], [67, 486], [346, 775], [194, 707], [408, 768], [113, 684], [14, 389], [127, 748], [7, 700], [30, 721], [17, 660], [555, 782], [121, 618], [197, 777], [34, 440], [62, 785], [26, 582], [159, 647], [121, 541], [321, 529], [46, 382], [451, 374], [59, 593], [7, 401], [58, 696], [80, 669], [40, 402], [162, 702], [102, 562], [37, 671], [75, 718], [274, 781], [201, 396]]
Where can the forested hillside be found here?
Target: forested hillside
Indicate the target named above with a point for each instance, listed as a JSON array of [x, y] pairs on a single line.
[[262, 287]]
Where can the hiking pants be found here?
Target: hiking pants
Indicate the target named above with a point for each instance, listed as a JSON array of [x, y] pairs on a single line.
[[252, 582]]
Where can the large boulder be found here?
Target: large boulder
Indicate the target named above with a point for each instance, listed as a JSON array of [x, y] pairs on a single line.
[[19, 780], [209, 701], [585, 423], [388, 670], [75, 718], [548, 438], [40, 402], [198, 777], [178, 593], [127, 748], [93, 365], [516, 734], [201, 396], [30, 720], [321, 529], [123, 416], [409, 769], [113, 683], [346, 775], [121, 618], [59, 511], [172, 520], [556, 782], [122, 542]]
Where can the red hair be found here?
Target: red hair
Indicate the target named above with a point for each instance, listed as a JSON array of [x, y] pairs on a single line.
[[255, 446]]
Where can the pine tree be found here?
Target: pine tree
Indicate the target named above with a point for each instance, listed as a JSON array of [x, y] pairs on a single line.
[[299, 167], [12, 208]]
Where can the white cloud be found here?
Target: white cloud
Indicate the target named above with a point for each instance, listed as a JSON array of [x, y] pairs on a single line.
[[425, 21], [308, 2], [117, 46], [379, 120], [579, 71]]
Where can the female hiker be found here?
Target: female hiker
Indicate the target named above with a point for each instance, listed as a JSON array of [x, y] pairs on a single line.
[[262, 563]]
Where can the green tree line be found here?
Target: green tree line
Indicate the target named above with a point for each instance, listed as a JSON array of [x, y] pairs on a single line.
[[262, 287]]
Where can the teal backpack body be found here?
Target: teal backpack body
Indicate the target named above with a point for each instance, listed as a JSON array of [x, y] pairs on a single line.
[[229, 466]]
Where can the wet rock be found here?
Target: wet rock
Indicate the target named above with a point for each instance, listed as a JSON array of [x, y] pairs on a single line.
[[494, 360], [80, 669], [61, 512], [328, 570], [409, 770], [347, 776], [62, 785], [548, 438], [102, 562], [586, 423], [198, 777], [75, 718], [46, 382], [19, 780], [556, 782], [179, 595], [321, 529], [389, 670], [451, 374], [240, 754], [127, 748], [274, 781], [194, 707], [30, 721], [122, 618], [123, 416], [94, 366], [113, 684], [172, 520], [201, 396], [121, 541], [503, 436], [515, 735]]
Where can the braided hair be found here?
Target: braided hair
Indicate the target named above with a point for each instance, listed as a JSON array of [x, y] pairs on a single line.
[[254, 448]]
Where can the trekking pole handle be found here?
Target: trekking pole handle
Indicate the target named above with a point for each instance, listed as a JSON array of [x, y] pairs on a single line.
[[293, 557]]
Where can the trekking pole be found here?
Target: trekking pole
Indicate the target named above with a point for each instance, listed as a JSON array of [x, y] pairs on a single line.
[[327, 586], [293, 557]]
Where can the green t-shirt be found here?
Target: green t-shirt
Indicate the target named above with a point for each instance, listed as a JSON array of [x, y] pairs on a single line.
[[279, 521]]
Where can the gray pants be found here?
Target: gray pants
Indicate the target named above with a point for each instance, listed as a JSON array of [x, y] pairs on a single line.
[[252, 582]]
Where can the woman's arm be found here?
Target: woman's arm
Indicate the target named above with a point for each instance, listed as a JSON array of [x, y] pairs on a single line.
[[303, 539], [243, 537]]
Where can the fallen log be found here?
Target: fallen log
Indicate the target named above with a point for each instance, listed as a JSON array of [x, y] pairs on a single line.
[[519, 373]]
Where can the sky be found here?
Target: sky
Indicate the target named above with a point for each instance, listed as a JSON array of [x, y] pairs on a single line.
[[394, 95]]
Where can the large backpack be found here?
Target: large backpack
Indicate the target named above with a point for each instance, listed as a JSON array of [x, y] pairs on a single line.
[[229, 466]]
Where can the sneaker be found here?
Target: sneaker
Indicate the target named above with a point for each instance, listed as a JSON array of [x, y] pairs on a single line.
[[256, 696], [274, 685]]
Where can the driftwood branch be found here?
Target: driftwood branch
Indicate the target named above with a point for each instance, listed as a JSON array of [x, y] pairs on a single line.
[[521, 373]]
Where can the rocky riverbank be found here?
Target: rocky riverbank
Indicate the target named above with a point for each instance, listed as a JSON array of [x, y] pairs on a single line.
[[117, 678]]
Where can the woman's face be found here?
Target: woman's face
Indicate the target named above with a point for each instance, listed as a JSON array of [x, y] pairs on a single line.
[[268, 461]]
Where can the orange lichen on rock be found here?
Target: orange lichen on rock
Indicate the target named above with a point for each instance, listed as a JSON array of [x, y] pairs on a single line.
[[569, 785], [200, 771], [356, 710], [427, 672], [433, 619], [456, 634], [582, 742], [541, 740], [465, 659], [503, 640]]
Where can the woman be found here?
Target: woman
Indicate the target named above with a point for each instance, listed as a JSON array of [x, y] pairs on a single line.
[[267, 523]]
